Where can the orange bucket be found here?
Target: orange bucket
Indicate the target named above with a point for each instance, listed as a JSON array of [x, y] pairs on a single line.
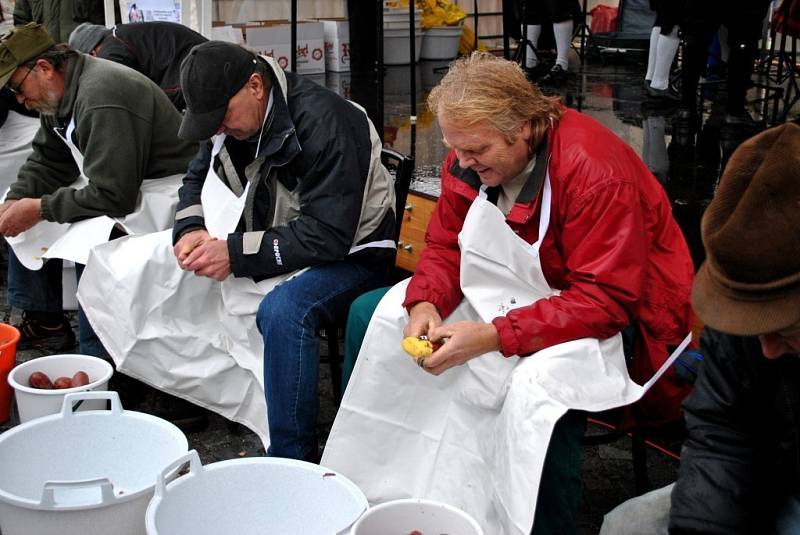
[[9, 336]]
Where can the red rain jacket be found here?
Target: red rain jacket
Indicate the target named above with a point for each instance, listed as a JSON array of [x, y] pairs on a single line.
[[612, 248]]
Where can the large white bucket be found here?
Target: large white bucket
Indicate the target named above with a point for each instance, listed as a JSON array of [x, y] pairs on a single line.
[[397, 34], [441, 42], [36, 402], [252, 496], [409, 515], [83, 473]]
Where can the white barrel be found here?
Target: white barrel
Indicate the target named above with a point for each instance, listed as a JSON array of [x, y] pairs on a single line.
[[253, 496], [409, 515], [83, 473], [36, 402]]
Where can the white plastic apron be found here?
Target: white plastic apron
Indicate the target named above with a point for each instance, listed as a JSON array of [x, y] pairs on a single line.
[[476, 436], [72, 241], [187, 335], [16, 136]]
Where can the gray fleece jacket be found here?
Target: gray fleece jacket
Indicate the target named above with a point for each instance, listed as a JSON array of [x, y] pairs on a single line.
[[125, 128]]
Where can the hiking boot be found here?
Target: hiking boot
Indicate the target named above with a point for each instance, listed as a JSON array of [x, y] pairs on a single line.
[[556, 77], [45, 330]]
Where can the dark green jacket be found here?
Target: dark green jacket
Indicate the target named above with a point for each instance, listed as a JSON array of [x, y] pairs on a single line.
[[125, 127], [60, 17]]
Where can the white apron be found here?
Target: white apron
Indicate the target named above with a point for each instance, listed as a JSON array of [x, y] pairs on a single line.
[[16, 136], [190, 336], [72, 241], [476, 436]]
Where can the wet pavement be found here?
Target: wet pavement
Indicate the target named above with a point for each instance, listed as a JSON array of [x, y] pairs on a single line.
[[612, 93]]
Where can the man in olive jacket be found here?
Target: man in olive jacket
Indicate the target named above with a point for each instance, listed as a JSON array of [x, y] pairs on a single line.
[[99, 120]]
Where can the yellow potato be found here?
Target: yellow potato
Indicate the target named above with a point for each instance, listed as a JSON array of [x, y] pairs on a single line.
[[417, 347]]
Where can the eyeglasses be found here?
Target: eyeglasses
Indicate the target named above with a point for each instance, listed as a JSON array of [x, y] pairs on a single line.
[[17, 90]]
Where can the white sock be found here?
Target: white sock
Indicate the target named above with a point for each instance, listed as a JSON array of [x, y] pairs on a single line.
[[651, 56], [563, 34], [667, 47], [724, 49], [533, 33]]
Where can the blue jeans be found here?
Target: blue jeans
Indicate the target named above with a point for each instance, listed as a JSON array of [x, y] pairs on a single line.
[[41, 291], [288, 319]]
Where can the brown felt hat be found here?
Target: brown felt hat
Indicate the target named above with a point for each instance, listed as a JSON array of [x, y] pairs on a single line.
[[21, 45], [750, 281]]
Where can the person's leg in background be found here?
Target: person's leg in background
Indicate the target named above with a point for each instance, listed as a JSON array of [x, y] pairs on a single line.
[[88, 342], [666, 44], [744, 31], [560, 487], [288, 319], [561, 12], [39, 295], [357, 322]]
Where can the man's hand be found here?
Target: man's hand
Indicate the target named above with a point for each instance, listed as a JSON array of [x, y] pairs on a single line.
[[422, 318], [463, 341], [18, 216], [188, 243], [210, 259]]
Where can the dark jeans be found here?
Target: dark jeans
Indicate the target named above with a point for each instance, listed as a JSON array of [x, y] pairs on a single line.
[[289, 318], [41, 291]]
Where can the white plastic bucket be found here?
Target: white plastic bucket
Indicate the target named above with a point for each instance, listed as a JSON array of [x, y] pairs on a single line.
[[252, 496], [396, 46], [441, 42], [83, 473], [36, 402], [406, 516]]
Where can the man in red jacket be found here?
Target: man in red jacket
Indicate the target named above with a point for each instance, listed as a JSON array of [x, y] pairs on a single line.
[[612, 251]]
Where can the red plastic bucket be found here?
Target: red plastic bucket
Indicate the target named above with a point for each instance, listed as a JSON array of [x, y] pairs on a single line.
[[9, 336]]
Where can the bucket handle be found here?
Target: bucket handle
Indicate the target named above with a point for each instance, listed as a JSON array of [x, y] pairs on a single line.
[[67, 409], [190, 457], [106, 490]]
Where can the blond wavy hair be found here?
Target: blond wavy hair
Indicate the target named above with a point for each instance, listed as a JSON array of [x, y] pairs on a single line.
[[484, 87]]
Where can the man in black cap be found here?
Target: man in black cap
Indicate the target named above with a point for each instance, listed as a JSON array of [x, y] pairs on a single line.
[[105, 132], [739, 471], [304, 166], [155, 49]]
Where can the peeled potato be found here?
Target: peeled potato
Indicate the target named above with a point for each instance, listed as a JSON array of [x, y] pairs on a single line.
[[417, 347]]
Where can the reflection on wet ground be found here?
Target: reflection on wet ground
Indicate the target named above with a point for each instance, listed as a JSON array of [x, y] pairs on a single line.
[[610, 91]]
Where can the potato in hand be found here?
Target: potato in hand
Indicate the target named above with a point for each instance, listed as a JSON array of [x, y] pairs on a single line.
[[419, 347]]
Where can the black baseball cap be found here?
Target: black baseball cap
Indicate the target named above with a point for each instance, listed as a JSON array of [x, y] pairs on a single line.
[[211, 74]]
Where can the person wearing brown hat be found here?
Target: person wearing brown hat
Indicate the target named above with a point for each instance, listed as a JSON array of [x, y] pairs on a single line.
[[105, 132], [739, 470]]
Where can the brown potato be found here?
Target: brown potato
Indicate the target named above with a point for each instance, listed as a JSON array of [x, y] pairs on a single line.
[[80, 378], [62, 382], [40, 380]]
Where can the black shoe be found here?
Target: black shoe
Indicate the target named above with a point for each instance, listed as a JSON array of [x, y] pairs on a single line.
[[45, 330], [139, 396], [646, 84], [186, 416], [537, 72], [663, 94], [556, 77]]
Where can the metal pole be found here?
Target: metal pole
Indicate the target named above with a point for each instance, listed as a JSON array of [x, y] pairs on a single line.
[[413, 51], [293, 16]]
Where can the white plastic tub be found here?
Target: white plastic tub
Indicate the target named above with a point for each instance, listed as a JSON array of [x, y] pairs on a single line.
[[36, 402], [425, 516], [396, 46], [441, 42], [83, 473], [253, 496]]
